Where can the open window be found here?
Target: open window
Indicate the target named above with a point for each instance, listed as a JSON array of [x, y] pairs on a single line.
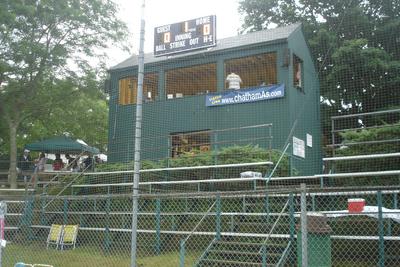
[[298, 72], [196, 80], [253, 70], [128, 88], [190, 142]]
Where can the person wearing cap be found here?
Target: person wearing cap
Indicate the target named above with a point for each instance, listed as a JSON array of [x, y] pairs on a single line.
[[25, 164]]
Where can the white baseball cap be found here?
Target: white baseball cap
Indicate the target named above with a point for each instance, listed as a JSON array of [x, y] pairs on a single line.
[[27, 150]]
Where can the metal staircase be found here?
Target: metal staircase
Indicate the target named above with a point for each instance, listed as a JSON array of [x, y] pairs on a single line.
[[249, 245], [244, 251]]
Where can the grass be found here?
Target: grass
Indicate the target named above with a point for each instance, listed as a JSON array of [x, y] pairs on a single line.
[[83, 256]]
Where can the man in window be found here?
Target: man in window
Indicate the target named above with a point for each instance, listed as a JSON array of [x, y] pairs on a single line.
[[234, 81]]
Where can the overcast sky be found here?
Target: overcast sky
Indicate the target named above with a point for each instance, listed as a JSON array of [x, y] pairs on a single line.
[[161, 12]]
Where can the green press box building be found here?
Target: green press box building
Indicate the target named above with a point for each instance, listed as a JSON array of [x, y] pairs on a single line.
[[188, 104]]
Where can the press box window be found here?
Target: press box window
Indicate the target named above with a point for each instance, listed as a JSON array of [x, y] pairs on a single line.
[[253, 70], [196, 80], [194, 142], [128, 89], [297, 72]]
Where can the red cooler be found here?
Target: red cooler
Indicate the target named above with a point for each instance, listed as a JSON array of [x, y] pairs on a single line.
[[355, 205]]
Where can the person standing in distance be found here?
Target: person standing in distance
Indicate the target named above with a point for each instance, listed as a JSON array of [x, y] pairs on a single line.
[[234, 81], [25, 164]]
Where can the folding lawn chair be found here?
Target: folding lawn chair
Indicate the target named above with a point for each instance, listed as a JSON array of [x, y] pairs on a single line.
[[55, 235], [69, 236]]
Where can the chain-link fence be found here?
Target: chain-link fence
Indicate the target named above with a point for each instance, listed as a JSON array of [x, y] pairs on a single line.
[[228, 134], [254, 228]]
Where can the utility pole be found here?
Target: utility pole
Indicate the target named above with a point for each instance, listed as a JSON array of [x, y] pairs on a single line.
[[138, 139]]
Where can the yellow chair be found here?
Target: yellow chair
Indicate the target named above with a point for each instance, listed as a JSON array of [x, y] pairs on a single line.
[[69, 235], [55, 235], [21, 264]]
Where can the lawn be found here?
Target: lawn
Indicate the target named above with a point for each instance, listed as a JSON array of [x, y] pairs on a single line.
[[83, 256]]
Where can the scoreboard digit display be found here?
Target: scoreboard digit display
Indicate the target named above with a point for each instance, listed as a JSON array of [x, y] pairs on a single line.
[[185, 36]]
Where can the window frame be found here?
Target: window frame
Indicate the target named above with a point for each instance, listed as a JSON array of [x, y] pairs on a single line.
[[130, 94], [262, 75], [298, 83], [172, 91], [176, 149]]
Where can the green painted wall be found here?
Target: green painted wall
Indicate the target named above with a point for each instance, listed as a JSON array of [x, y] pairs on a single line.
[[305, 108], [162, 117]]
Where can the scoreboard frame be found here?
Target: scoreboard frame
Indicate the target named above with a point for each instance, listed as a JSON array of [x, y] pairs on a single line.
[[185, 36]]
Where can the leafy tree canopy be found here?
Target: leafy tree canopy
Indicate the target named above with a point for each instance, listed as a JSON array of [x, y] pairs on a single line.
[[354, 44], [45, 47]]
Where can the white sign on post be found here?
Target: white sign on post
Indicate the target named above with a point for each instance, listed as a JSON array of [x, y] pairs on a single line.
[[298, 147], [309, 140]]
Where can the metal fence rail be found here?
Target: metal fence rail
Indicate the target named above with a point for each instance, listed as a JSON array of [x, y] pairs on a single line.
[[232, 229]]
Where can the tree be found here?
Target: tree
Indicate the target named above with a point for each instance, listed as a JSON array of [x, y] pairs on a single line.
[[78, 108], [41, 41], [354, 45]]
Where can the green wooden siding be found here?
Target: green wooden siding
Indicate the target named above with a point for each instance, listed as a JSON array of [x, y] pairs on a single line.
[[162, 117]]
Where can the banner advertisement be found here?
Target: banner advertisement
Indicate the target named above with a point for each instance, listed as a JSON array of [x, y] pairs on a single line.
[[247, 95]]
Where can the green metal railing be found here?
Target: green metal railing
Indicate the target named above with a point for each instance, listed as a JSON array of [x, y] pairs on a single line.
[[216, 203]]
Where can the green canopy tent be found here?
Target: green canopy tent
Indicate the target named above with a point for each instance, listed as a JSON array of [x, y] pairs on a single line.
[[62, 145]]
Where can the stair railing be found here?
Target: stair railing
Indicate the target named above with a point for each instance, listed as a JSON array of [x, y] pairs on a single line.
[[183, 241], [273, 227], [276, 165], [58, 174], [67, 186]]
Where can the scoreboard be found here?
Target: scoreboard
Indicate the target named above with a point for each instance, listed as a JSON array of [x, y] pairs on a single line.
[[185, 36]]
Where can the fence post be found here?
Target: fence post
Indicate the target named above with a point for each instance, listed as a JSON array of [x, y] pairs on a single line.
[[264, 256], [381, 231], [291, 225], [158, 226], [182, 254], [3, 212], [218, 218], [303, 219]]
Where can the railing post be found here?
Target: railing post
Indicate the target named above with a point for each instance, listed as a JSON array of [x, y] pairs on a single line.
[[82, 222], [65, 211], [182, 254], [303, 219], [218, 218], [313, 202], [215, 148], [264, 256], [158, 227], [381, 231], [266, 206], [107, 239], [42, 210], [291, 217]]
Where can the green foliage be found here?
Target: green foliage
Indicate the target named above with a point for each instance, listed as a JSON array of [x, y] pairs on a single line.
[[45, 48], [354, 45], [361, 142], [227, 155]]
